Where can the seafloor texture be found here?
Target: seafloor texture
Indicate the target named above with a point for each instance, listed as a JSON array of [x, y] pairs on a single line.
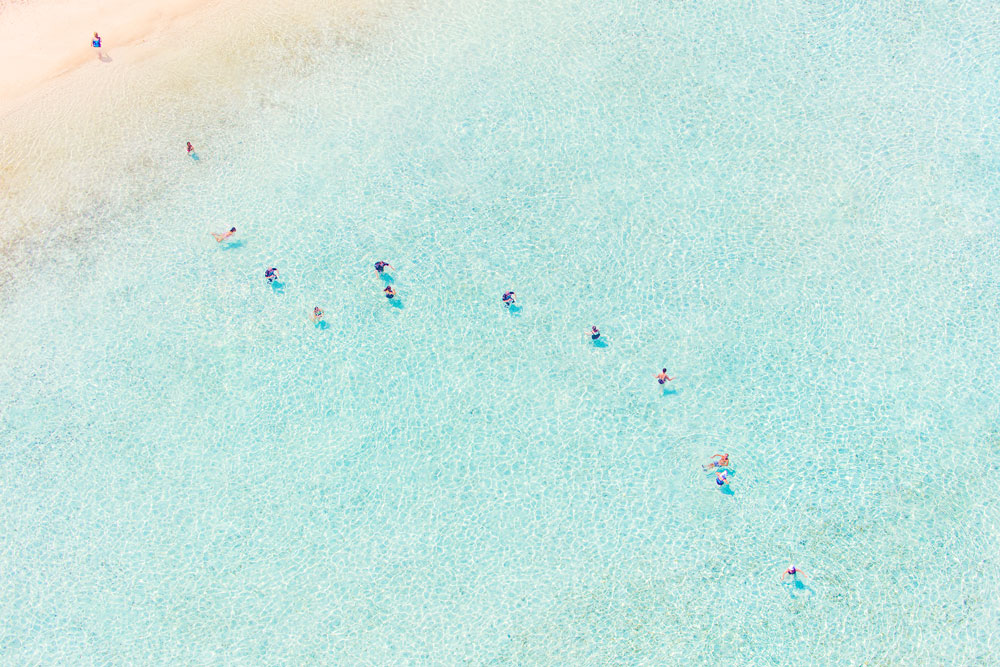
[[790, 205]]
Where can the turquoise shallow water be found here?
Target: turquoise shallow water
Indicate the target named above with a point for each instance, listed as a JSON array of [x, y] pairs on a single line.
[[792, 206]]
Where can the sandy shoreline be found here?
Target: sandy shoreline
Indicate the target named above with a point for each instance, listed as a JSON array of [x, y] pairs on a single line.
[[81, 131], [48, 38]]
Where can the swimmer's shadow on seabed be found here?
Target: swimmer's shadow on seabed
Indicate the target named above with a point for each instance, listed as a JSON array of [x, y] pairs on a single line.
[[278, 287], [667, 391], [386, 278], [235, 245], [514, 309], [797, 587], [396, 303], [600, 343], [322, 325]]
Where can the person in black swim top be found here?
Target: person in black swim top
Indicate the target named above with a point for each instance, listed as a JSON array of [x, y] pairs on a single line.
[[663, 377], [389, 292], [271, 274], [381, 266], [595, 333], [509, 298], [792, 571], [317, 315]]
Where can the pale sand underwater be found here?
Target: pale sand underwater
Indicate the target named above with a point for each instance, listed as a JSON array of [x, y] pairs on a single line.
[[73, 128]]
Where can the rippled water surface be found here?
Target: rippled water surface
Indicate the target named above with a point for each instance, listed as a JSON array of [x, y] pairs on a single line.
[[790, 205]]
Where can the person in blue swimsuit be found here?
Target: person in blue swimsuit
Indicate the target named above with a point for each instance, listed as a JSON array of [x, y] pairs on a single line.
[[389, 292], [595, 333], [271, 274], [792, 572], [96, 43], [382, 266], [723, 462], [509, 299], [722, 478]]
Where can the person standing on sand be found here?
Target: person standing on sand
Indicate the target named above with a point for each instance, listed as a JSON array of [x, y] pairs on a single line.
[[96, 43]]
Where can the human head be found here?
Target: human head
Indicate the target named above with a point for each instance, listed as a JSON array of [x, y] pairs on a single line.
[[663, 370], [95, 34], [232, 229]]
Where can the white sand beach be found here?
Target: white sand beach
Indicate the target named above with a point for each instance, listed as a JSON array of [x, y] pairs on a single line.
[[71, 124], [46, 38]]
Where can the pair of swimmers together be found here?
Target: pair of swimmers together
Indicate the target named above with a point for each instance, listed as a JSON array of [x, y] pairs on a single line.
[[380, 268], [718, 462]]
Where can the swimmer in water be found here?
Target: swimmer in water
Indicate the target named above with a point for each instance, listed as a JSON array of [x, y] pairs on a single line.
[[271, 274], [594, 333], [663, 377], [224, 235], [389, 292], [722, 478], [792, 572], [721, 463], [509, 299], [317, 315], [381, 266], [190, 148]]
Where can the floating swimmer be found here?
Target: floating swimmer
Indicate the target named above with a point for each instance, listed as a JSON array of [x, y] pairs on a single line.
[[389, 292], [509, 299], [722, 478], [792, 572], [317, 315], [224, 235], [271, 274], [381, 266], [663, 377], [721, 463], [595, 333]]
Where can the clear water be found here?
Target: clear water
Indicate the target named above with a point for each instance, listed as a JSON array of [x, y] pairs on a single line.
[[790, 205]]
